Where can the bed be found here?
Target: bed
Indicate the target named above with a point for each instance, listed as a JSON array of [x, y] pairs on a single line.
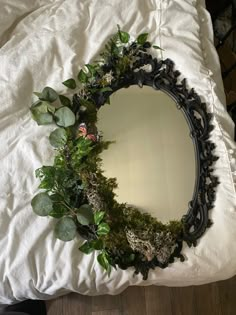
[[44, 42]]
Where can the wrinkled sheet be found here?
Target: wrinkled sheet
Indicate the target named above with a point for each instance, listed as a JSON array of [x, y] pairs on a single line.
[[43, 42]]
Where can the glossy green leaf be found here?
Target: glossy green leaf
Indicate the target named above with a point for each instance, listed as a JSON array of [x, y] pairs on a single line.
[[97, 244], [42, 204], [91, 69], [58, 138], [103, 229], [70, 83], [86, 248], [65, 229], [85, 215], [142, 38], [124, 37], [82, 77], [104, 262], [48, 94], [65, 101], [65, 117], [98, 216]]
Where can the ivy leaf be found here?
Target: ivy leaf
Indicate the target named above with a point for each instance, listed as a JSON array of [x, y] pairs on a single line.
[[46, 174], [42, 204], [65, 229], [103, 229], [65, 117], [70, 83], [82, 76], [85, 215], [84, 146], [58, 138], [142, 38], [104, 262], [48, 95], [98, 216], [87, 248], [124, 37], [65, 101], [97, 244], [91, 69]]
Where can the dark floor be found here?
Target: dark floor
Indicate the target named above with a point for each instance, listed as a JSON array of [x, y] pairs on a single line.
[[212, 299]]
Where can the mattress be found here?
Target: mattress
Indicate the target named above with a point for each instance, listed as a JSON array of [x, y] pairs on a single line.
[[43, 43]]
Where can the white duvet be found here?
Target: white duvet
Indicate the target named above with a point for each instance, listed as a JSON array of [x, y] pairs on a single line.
[[43, 43]]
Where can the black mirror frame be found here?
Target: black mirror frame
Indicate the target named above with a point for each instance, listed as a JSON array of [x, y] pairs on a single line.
[[162, 76]]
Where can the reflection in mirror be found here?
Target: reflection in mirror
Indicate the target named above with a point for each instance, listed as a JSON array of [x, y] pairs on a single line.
[[153, 155]]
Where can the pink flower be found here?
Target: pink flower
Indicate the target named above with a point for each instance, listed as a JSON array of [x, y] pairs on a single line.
[[91, 137], [82, 130]]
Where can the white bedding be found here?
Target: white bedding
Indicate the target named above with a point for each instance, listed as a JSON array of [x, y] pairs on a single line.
[[42, 43]]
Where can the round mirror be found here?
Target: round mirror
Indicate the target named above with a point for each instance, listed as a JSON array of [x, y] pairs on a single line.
[[153, 157]]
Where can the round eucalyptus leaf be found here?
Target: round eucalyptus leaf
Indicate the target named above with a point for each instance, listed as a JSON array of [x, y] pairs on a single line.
[[66, 229], [40, 113], [65, 117], [43, 119], [42, 204], [85, 215], [48, 94], [58, 138]]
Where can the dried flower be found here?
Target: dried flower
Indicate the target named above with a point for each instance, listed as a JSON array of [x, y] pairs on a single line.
[[82, 130], [107, 78], [82, 93]]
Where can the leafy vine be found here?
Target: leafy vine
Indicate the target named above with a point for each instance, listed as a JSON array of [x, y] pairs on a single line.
[[75, 191]]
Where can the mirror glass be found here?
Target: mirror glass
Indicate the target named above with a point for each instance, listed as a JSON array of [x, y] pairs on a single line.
[[153, 155]]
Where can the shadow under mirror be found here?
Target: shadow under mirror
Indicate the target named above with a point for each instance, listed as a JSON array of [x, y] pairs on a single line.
[[153, 156]]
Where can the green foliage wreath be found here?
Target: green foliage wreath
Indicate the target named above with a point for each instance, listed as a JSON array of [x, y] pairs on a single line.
[[74, 189]]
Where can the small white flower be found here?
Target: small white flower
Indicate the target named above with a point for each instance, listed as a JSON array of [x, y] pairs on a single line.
[[82, 94], [108, 77]]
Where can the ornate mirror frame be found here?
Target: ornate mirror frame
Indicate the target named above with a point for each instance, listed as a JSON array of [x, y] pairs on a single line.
[[89, 207], [162, 76]]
